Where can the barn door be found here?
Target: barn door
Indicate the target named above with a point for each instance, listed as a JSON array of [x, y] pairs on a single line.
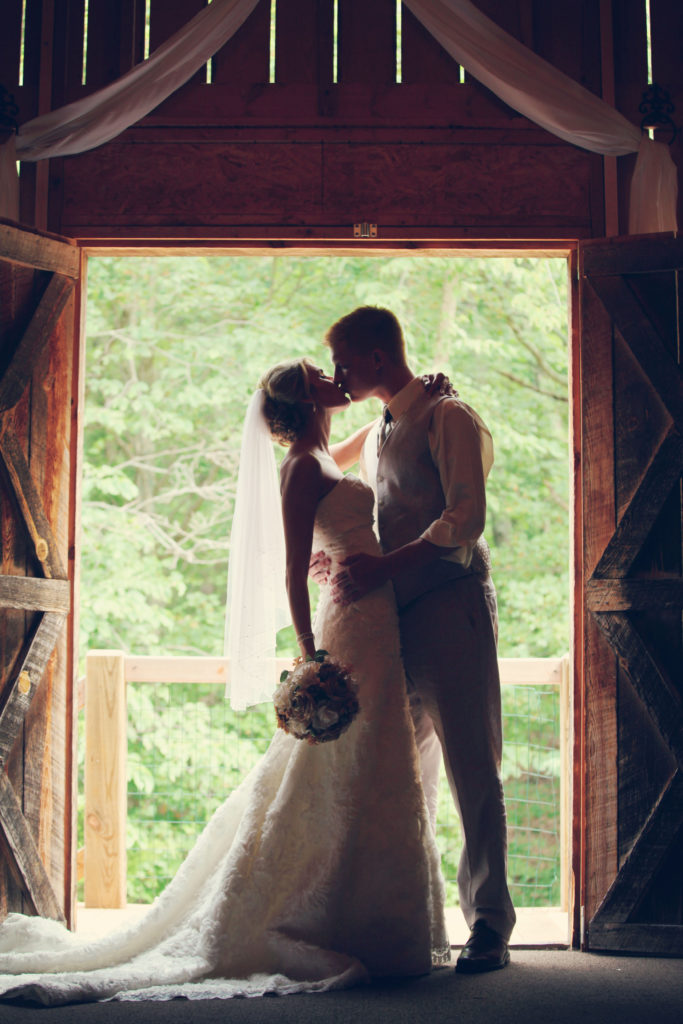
[[632, 461], [38, 310]]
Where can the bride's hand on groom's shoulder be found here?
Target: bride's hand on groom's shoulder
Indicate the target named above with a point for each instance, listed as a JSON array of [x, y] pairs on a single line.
[[438, 384], [319, 568], [360, 574]]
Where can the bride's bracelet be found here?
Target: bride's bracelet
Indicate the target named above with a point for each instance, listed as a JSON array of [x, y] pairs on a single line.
[[304, 636]]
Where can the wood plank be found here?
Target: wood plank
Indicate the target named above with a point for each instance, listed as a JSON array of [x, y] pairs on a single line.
[[619, 255], [367, 41], [104, 43], [35, 338], [245, 59], [637, 330], [648, 853], [658, 694], [651, 939], [20, 691], [105, 780], [73, 540], [641, 422], [621, 595], [303, 43], [600, 782], [169, 16], [662, 474], [35, 249], [10, 44], [173, 669], [423, 58], [21, 845], [39, 530], [35, 594]]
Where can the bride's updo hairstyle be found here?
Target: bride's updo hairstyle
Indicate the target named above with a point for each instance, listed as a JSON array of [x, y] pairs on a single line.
[[287, 404]]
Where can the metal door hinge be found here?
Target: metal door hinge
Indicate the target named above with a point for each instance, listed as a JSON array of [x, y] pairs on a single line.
[[364, 230]]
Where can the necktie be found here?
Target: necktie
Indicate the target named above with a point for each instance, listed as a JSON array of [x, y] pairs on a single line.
[[384, 428]]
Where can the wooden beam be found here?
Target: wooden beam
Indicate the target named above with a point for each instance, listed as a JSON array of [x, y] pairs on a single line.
[[641, 336], [662, 474], [35, 338], [19, 693], [654, 253], [659, 697], [30, 505], [106, 745], [39, 250], [619, 595], [21, 846], [35, 594], [648, 852]]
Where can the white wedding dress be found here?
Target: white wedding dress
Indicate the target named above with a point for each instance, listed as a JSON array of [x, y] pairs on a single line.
[[318, 872]]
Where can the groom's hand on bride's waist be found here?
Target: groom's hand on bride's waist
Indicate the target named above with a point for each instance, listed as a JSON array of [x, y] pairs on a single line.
[[360, 574]]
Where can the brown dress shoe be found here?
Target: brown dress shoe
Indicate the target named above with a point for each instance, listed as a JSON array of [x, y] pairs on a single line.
[[485, 950]]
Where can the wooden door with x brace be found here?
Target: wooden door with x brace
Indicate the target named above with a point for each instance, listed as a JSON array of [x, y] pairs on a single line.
[[39, 352]]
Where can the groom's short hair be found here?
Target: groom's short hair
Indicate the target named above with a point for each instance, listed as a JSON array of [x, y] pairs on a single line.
[[367, 328]]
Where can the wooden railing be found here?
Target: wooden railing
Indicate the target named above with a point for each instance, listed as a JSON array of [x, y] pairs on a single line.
[[103, 858]]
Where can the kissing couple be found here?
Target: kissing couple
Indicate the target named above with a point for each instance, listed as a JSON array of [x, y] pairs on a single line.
[[320, 871]]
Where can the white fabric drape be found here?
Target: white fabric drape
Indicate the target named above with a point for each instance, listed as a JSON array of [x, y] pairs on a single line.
[[554, 101], [106, 113], [523, 80]]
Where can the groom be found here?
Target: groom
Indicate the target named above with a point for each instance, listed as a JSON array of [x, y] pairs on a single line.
[[427, 460]]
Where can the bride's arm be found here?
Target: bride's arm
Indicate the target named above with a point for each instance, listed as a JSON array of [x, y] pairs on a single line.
[[347, 452], [301, 484]]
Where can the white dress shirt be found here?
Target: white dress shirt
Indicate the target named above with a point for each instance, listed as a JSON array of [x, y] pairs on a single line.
[[462, 449]]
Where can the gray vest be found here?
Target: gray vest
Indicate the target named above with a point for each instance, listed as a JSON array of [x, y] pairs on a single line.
[[410, 498]]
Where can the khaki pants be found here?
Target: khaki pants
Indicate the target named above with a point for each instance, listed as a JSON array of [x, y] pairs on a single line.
[[448, 639]]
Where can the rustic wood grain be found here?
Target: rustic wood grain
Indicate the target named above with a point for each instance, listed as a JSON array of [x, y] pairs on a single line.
[[644, 615], [44, 543], [621, 595], [636, 328], [657, 694], [600, 781], [662, 474], [20, 691], [34, 338], [35, 594], [20, 844], [648, 853], [641, 422], [654, 253], [37, 250]]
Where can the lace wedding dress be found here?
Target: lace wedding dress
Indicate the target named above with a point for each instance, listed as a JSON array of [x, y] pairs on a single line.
[[318, 872]]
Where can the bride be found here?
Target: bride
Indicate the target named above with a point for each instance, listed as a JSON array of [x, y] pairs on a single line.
[[320, 871]]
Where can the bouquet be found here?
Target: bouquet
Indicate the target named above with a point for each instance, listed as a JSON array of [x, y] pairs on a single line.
[[316, 701]]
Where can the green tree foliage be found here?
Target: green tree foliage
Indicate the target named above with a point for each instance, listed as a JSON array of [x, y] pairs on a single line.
[[175, 347]]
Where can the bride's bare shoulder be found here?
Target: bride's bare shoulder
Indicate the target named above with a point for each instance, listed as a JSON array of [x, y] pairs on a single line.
[[300, 469]]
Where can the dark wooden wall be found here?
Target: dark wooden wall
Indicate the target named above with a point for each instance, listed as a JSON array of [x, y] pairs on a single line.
[[304, 157]]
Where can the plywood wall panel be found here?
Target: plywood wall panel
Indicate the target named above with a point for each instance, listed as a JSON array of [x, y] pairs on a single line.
[[194, 184], [323, 183]]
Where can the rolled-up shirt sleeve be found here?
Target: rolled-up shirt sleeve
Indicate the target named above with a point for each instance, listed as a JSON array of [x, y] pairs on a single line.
[[462, 449]]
